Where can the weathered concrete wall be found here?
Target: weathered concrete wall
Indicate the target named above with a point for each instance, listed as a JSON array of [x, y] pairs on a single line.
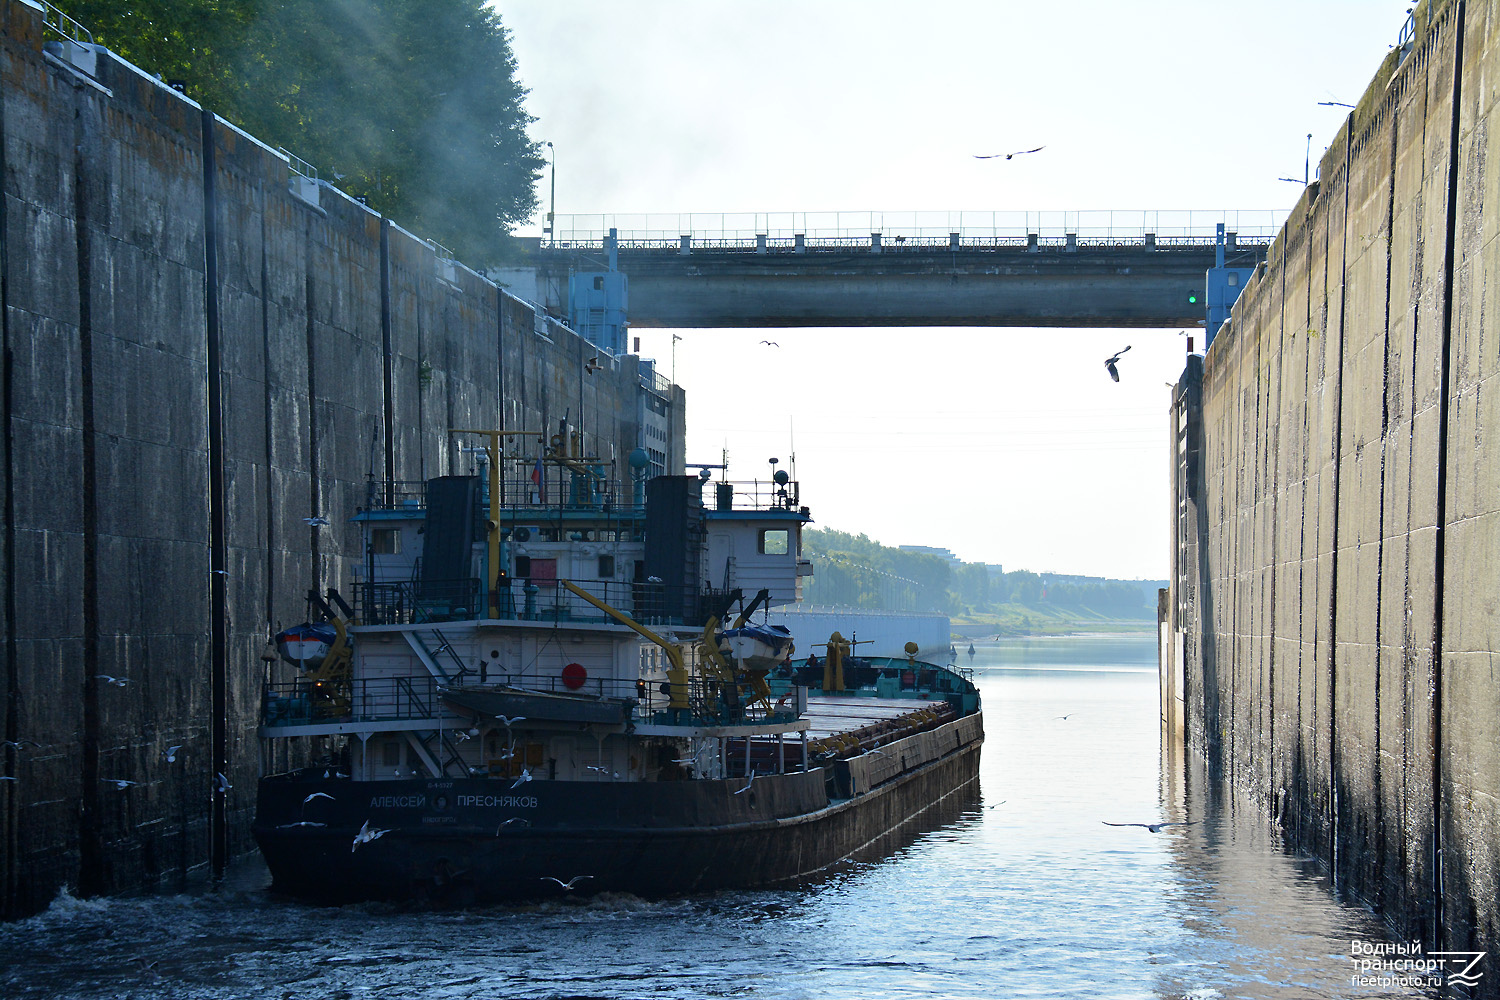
[[1336, 600], [195, 361]]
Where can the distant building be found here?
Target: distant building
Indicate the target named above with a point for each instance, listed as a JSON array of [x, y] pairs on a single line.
[[930, 550]]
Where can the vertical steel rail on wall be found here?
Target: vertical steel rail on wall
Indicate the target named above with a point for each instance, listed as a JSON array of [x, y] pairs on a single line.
[[11, 885], [217, 529], [91, 836], [1440, 541]]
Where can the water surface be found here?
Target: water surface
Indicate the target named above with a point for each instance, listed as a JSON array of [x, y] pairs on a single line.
[[1027, 894]]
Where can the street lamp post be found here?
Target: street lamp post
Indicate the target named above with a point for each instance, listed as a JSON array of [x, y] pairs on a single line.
[[552, 207]]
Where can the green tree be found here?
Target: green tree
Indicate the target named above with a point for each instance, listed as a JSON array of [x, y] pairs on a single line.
[[412, 104]]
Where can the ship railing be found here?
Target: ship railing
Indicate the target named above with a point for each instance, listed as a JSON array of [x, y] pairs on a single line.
[[753, 495], [394, 699], [398, 494], [653, 698], [602, 496], [419, 602], [378, 699], [523, 498]]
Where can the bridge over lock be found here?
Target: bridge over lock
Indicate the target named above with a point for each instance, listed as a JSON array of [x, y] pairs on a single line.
[[1027, 269]]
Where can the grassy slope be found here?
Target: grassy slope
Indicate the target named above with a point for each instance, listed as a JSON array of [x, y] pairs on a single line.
[[1042, 619]]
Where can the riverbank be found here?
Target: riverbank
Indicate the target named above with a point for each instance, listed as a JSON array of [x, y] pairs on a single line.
[[1008, 620]]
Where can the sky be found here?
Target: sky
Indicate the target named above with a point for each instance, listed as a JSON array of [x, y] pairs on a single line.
[[1007, 446]]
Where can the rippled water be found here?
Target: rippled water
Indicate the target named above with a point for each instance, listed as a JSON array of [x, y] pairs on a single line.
[[1028, 894]]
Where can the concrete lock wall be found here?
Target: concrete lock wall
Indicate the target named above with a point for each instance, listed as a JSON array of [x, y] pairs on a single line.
[[195, 360], [1335, 593]]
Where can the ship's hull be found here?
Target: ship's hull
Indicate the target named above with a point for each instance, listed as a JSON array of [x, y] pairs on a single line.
[[478, 840]]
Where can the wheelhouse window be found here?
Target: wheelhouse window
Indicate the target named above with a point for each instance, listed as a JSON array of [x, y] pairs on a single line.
[[385, 541], [775, 541]]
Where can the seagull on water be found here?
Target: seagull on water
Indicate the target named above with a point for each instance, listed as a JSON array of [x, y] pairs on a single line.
[[1110, 364], [118, 682], [1153, 827], [366, 834], [1019, 152], [569, 885]]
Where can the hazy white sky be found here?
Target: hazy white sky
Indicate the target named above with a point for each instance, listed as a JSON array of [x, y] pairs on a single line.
[[1006, 446]]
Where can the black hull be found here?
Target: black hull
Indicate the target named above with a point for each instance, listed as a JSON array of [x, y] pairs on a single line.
[[649, 839]]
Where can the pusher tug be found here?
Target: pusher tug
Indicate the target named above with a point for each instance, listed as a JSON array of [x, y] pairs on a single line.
[[538, 689]]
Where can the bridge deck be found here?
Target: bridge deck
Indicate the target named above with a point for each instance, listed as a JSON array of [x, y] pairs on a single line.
[[1002, 281]]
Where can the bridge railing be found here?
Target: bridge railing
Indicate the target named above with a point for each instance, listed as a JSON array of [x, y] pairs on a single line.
[[779, 230]]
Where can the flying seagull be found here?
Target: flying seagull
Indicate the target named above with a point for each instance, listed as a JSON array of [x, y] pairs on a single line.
[[569, 884], [366, 834], [171, 754], [1153, 827], [1110, 363], [750, 781], [288, 826], [513, 821], [525, 777], [315, 522], [224, 784], [507, 722], [120, 783], [317, 795], [116, 681], [771, 342], [1019, 152], [18, 744]]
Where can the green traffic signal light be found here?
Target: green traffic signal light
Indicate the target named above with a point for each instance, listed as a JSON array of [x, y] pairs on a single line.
[[1193, 298]]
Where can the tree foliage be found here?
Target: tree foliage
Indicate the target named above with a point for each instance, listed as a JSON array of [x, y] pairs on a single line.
[[857, 571], [412, 104]]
